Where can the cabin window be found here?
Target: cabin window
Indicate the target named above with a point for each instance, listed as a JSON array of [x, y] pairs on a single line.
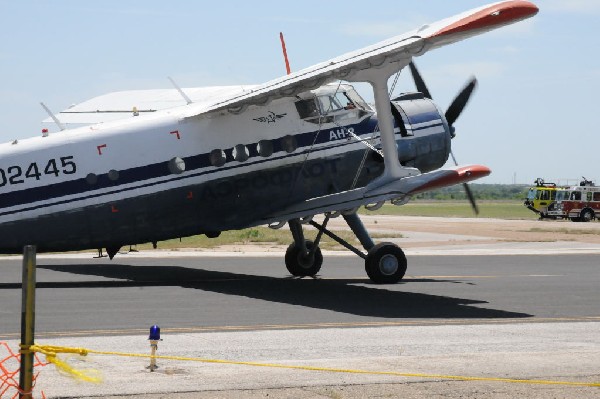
[[265, 148], [91, 179], [596, 196], [575, 196], [176, 166], [217, 157], [240, 153], [113, 175], [289, 143]]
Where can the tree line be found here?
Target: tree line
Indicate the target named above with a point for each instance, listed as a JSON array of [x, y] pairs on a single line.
[[480, 191]]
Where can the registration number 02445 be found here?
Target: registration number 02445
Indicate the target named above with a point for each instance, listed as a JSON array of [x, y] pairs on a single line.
[[17, 174]]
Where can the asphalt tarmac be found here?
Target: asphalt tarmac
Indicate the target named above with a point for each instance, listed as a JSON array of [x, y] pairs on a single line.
[[511, 317]]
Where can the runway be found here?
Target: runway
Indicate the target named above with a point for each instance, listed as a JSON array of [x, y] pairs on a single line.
[[134, 293], [479, 316]]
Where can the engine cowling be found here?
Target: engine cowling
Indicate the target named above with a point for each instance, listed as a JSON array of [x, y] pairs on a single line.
[[425, 142]]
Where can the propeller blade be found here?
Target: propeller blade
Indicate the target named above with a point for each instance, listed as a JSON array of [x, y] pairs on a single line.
[[471, 198], [458, 104], [419, 82], [470, 195]]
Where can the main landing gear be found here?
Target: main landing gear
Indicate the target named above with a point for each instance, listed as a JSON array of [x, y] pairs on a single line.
[[385, 263]]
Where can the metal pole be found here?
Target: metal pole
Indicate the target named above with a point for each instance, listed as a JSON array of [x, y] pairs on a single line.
[[27, 321]]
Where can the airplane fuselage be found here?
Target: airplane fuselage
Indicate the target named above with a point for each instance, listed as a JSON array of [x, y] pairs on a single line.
[[161, 176]]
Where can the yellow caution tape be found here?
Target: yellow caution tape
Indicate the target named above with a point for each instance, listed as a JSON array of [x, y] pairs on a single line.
[[50, 352], [57, 349]]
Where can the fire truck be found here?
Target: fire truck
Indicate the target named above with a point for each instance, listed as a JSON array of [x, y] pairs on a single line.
[[541, 198], [578, 203]]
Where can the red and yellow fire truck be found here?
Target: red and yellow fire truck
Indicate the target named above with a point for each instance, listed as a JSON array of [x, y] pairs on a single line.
[[578, 203]]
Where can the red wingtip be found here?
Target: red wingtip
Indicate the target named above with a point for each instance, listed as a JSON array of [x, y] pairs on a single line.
[[498, 14], [461, 174]]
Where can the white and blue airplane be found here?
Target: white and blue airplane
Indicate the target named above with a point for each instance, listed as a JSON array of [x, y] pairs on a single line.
[[150, 165]]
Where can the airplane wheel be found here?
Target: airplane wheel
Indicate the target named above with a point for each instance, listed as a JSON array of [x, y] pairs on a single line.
[[299, 264], [385, 263]]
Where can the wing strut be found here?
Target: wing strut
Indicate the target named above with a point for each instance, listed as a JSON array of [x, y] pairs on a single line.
[[185, 97], [378, 79], [54, 118]]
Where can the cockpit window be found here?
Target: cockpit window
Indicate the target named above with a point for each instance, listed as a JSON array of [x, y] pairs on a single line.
[[357, 100], [329, 104], [328, 108], [307, 108]]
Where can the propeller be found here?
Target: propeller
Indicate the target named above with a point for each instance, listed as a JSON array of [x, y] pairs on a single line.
[[452, 113]]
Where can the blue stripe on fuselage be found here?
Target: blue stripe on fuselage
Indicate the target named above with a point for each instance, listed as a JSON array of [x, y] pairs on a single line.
[[161, 170]]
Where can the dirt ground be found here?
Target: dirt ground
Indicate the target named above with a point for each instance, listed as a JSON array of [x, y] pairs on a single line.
[[432, 231], [495, 230]]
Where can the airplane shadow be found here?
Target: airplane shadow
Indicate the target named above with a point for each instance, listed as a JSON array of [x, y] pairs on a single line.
[[338, 295]]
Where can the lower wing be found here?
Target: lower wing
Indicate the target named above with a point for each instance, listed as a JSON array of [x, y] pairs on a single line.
[[400, 189]]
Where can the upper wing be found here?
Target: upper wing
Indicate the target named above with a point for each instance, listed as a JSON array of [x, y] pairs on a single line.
[[395, 53], [121, 104], [398, 50]]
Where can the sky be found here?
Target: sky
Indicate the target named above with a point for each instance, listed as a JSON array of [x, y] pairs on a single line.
[[531, 116]]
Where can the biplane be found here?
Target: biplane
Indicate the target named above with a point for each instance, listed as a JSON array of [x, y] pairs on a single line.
[[149, 165]]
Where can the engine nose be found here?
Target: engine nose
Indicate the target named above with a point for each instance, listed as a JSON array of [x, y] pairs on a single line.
[[425, 133]]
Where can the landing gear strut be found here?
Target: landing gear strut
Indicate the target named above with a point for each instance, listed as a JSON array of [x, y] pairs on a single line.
[[385, 263]]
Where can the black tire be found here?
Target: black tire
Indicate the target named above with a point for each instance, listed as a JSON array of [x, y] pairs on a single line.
[[298, 264], [385, 263], [587, 215]]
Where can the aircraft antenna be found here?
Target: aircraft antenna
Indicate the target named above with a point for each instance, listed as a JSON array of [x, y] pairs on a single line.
[[54, 118], [285, 57], [185, 97]]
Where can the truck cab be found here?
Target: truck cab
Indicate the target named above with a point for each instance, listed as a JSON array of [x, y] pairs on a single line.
[[541, 198]]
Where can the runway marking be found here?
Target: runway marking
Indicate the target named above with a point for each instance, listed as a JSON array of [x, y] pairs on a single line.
[[266, 327], [51, 351], [481, 276]]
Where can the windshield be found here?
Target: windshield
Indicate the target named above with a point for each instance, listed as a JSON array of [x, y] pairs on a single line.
[[531, 194], [562, 195], [357, 100]]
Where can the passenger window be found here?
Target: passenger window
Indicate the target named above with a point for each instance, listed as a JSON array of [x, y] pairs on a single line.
[[597, 196], [265, 148], [217, 157], [289, 143]]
